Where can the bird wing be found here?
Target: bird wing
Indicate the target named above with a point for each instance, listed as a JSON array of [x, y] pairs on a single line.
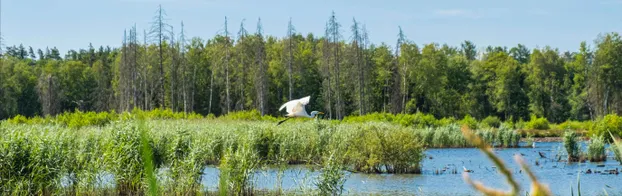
[[305, 100], [296, 105]]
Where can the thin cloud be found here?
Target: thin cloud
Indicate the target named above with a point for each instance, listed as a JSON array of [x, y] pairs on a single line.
[[456, 13]]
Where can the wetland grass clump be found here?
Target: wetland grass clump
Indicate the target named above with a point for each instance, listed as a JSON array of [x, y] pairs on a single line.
[[571, 144], [332, 176], [381, 148], [596, 149], [450, 136]]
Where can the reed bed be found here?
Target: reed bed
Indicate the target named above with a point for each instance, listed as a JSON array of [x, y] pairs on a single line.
[[49, 158]]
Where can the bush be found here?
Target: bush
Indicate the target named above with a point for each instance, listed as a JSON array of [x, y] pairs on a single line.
[[469, 121], [537, 123], [610, 123], [491, 121], [596, 149], [571, 145]]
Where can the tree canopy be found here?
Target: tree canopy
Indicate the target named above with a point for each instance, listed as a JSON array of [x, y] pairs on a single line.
[[345, 75]]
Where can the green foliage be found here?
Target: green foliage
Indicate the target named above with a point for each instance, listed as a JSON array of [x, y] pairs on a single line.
[[418, 120], [571, 144], [491, 121], [252, 115], [469, 121], [539, 123], [236, 170], [596, 149], [332, 176], [609, 123], [80, 119], [376, 148]]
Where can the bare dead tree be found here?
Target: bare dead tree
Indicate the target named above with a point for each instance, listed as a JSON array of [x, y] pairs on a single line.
[[261, 66], [187, 82], [335, 39], [366, 66], [401, 40], [357, 40], [242, 55], [134, 65], [226, 65], [159, 32], [326, 60], [290, 57]]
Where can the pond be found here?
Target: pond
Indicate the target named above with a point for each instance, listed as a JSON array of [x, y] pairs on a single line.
[[559, 176]]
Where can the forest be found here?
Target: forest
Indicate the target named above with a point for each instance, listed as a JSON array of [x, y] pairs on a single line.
[[344, 73]]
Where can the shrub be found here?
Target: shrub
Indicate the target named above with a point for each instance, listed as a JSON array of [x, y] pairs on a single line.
[[491, 121], [611, 123], [19, 119], [572, 146], [537, 123], [469, 121], [596, 149]]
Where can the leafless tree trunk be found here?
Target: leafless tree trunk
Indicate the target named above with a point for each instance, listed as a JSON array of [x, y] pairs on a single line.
[[358, 59], [260, 83], [227, 83], [242, 55], [290, 58], [366, 65], [158, 30], [326, 54], [335, 35], [173, 53]]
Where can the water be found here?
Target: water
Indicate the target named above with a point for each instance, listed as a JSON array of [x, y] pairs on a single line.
[[559, 176]]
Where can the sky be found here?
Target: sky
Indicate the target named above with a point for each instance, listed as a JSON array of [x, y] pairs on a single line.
[[73, 24]]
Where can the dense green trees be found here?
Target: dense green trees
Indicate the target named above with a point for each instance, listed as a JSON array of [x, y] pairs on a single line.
[[345, 75]]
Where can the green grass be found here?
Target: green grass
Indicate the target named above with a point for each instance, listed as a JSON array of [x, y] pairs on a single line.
[[596, 149], [571, 144]]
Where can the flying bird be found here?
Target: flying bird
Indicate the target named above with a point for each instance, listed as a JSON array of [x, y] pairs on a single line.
[[296, 108]]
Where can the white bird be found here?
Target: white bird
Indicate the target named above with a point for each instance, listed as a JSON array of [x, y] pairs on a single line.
[[296, 108]]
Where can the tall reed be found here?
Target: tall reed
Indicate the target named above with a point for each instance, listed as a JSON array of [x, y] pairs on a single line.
[[596, 149], [571, 144]]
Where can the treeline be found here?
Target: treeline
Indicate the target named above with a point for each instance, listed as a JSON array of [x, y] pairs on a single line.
[[162, 68]]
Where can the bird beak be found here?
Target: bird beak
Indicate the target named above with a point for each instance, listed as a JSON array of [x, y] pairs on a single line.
[[320, 112]]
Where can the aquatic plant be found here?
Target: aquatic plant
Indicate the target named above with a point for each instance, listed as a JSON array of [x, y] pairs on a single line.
[[571, 144], [236, 171], [332, 176], [596, 149]]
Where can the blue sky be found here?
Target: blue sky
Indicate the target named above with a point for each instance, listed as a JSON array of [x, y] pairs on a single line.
[[73, 24]]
